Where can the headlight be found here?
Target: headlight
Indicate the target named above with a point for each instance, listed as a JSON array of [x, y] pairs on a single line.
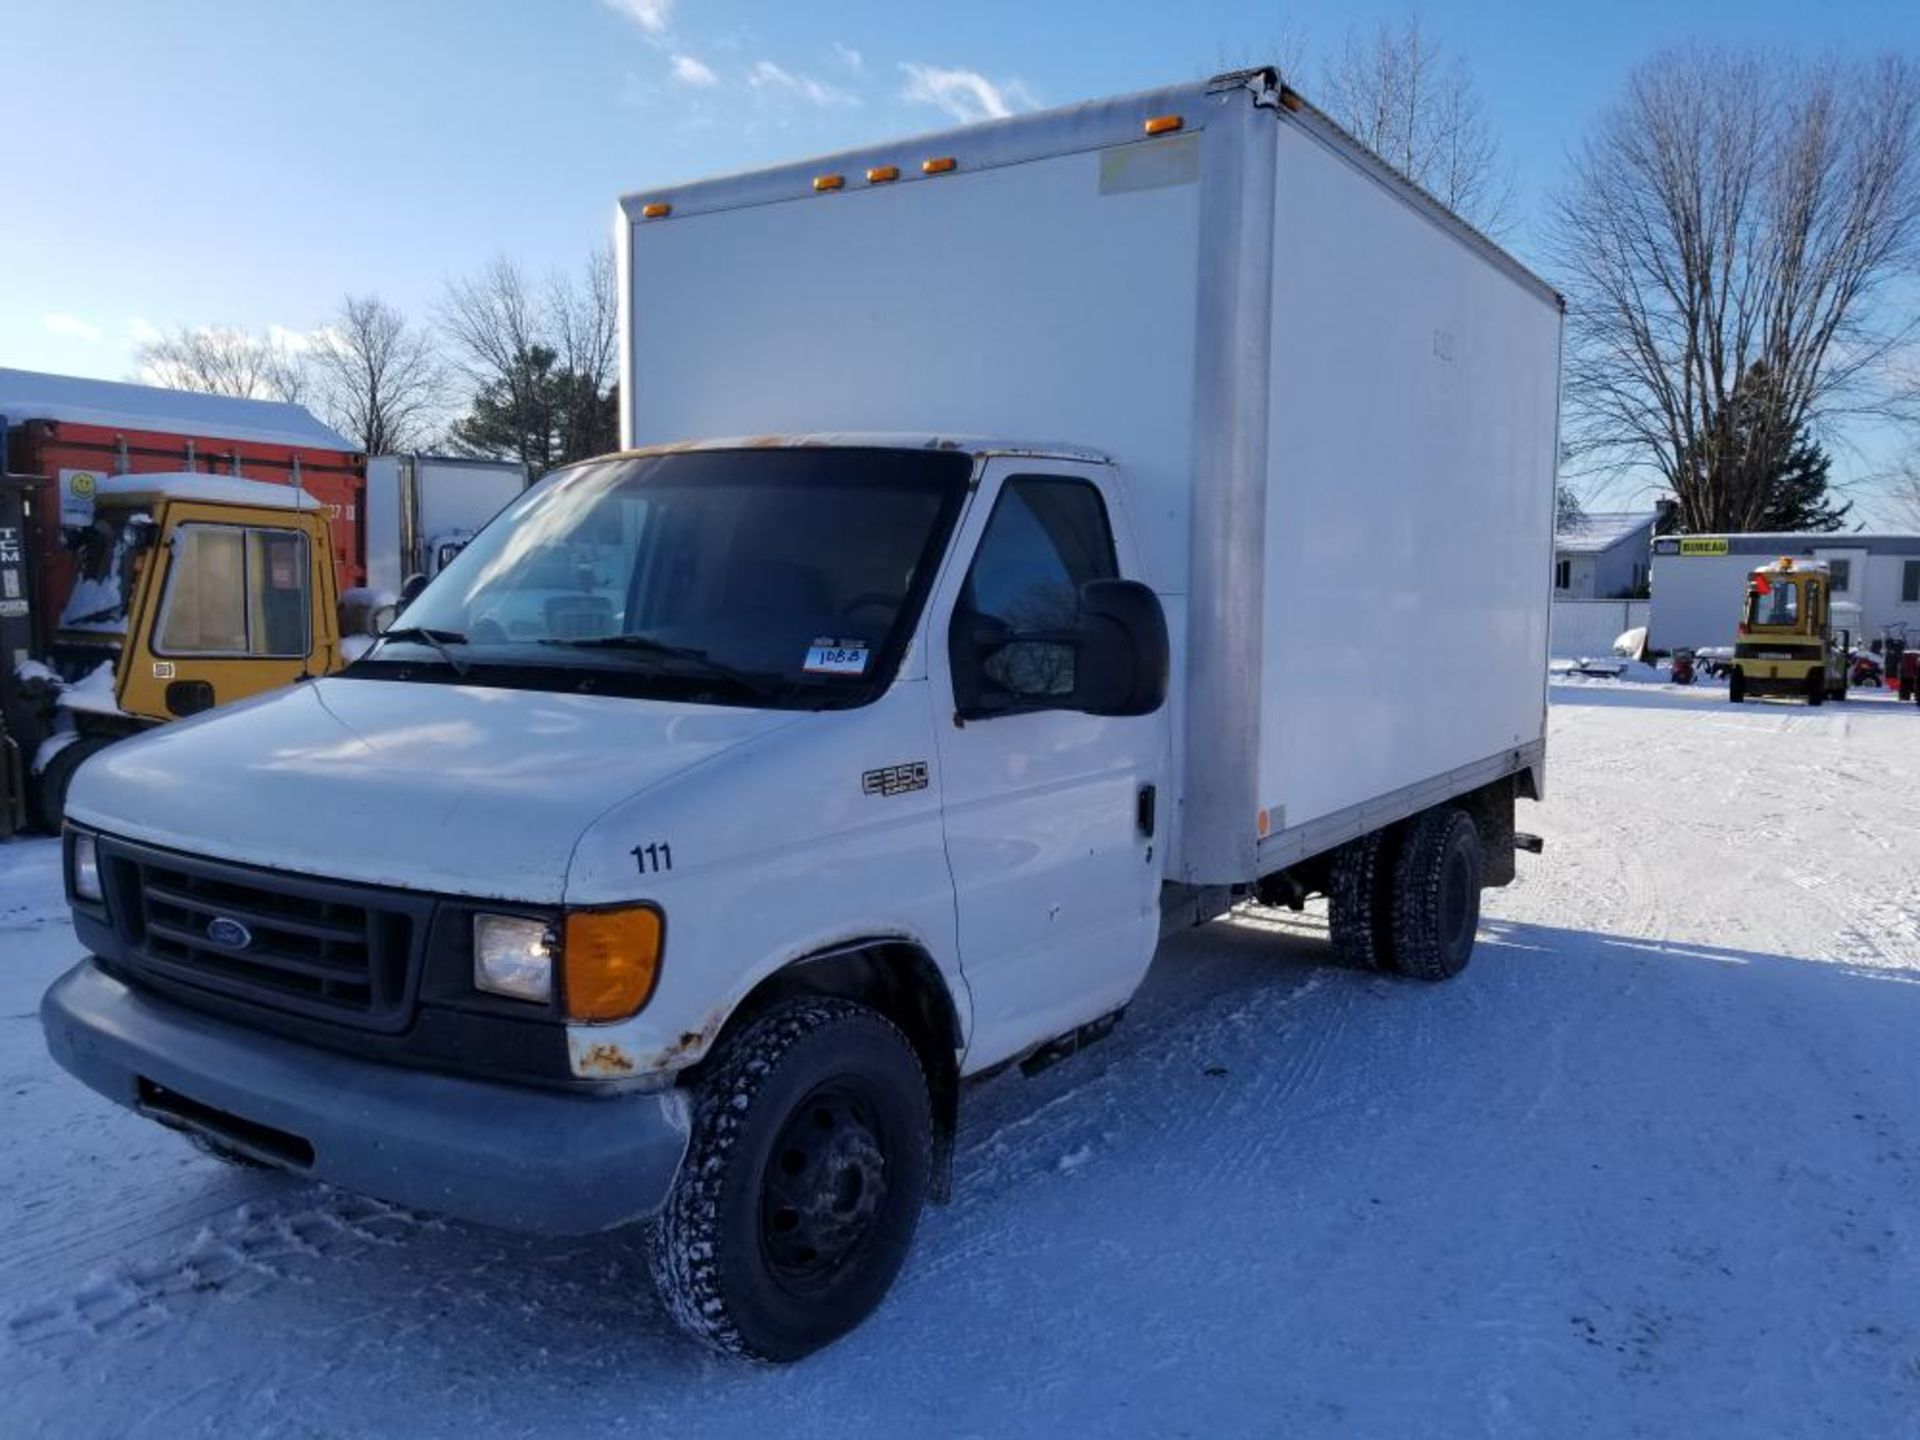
[[86, 868], [512, 956]]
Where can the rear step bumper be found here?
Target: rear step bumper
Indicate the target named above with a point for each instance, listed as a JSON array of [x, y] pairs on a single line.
[[546, 1162]]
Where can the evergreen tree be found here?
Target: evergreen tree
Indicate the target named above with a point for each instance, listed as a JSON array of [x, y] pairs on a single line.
[[540, 413], [1753, 474]]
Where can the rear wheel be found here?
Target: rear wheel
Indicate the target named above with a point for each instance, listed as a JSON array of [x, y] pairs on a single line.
[[1360, 903], [1436, 894], [802, 1184], [1816, 687], [1737, 688]]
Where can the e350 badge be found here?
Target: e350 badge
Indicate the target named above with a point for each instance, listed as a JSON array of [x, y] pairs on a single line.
[[895, 779]]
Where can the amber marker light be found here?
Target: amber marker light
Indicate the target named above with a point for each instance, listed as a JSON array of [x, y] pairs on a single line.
[[829, 182], [655, 210], [939, 165], [611, 960], [1163, 125], [883, 174]]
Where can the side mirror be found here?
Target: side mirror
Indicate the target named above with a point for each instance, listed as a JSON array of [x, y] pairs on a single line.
[[1123, 651], [410, 591], [366, 612]]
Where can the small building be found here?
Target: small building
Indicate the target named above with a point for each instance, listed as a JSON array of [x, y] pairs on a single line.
[[1699, 583], [1603, 555]]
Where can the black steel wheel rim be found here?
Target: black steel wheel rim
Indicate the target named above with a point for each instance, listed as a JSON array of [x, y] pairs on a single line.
[[824, 1188]]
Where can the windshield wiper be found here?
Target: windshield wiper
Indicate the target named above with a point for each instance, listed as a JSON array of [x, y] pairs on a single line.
[[763, 687], [439, 640]]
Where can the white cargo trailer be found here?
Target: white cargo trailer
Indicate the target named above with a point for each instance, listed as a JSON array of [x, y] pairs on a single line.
[[1333, 407], [423, 509], [1131, 510]]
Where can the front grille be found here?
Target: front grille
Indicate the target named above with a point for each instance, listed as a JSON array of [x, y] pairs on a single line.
[[316, 948]]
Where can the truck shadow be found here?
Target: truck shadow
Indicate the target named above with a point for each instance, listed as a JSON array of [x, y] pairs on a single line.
[[1257, 1104]]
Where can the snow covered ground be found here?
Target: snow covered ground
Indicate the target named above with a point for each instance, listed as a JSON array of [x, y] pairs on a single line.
[[1650, 1167]]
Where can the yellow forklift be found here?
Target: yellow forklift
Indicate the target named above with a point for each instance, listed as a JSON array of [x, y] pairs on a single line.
[[190, 591], [1785, 644]]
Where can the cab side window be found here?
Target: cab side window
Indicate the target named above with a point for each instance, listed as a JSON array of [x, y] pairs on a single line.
[[232, 590], [1010, 642]]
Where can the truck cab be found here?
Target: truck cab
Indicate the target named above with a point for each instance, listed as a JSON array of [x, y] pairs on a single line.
[[1785, 642], [190, 591]]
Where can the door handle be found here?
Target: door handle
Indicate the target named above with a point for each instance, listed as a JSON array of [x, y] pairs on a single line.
[[1144, 810]]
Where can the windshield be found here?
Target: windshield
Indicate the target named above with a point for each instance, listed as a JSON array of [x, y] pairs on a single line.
[[103, 573], [1775, 602], [785, 577]]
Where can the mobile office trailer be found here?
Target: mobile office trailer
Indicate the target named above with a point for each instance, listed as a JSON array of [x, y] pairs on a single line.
[[727, 803], [1700, 583], [422, 509], [1334, 404]]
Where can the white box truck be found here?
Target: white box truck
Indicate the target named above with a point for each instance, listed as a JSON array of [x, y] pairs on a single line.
[[421, 510], [729, 802]]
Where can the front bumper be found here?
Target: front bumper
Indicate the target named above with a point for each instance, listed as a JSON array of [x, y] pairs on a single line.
[[545, 1162]]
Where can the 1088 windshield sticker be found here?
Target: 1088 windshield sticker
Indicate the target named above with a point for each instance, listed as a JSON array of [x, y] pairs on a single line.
[[828, 656]]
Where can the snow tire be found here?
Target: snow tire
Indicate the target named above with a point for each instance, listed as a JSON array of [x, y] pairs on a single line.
[[1360, 903], [1436, 894], [716, 1251], [50, 786]]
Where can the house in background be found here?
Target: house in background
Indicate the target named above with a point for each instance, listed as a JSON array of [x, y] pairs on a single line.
[[1603, 555]]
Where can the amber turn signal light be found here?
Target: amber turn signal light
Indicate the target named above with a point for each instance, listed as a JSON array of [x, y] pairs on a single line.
[[612, 961]]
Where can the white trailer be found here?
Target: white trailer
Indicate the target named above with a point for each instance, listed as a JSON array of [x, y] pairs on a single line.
[[1133, 509], [423, 509], [1700, 584]]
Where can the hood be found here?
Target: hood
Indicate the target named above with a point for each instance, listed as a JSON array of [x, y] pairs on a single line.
[[456, 789]]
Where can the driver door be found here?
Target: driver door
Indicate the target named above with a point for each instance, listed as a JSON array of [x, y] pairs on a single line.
[[1052, 816]]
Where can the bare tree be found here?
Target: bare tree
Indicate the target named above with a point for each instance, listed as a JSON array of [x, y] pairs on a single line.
[[378, 377], [223, 360], [1906, 491], [1733, 225], [1415, 106], [540, 363]]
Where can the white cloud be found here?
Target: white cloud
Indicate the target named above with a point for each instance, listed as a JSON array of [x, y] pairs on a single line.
[[71, 326], [850, 57], [653, 16], [298, 342], [771, 79], [967, 95], [141, 330], [690, 71]]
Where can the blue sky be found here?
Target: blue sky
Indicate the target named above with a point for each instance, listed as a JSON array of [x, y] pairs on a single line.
[[247, 162]]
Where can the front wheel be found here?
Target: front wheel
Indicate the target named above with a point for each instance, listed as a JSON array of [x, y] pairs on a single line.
[[1436, 894], [1737, 688], [50, 786], [802, 1183]]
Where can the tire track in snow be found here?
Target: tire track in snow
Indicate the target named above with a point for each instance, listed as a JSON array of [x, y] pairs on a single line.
[[235, 1256]]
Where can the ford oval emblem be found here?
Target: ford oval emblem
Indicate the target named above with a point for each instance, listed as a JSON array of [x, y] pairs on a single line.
[[228, 933]]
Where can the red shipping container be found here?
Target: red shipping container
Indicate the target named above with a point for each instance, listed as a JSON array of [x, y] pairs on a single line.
[[57, 423]]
